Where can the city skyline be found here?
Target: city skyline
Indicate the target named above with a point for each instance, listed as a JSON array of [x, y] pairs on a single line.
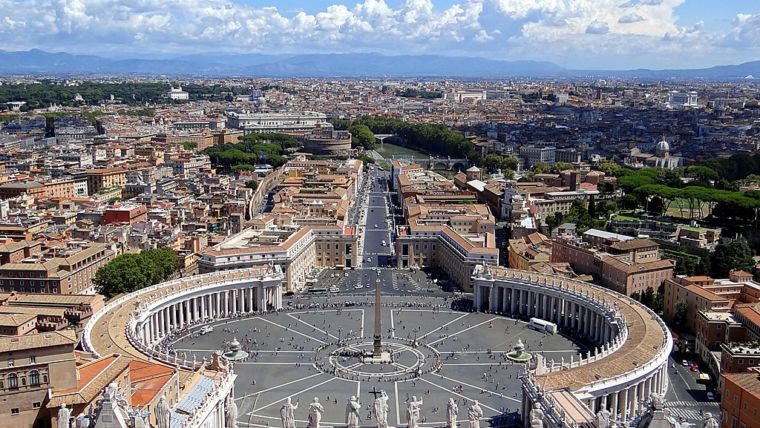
[[583, 34]]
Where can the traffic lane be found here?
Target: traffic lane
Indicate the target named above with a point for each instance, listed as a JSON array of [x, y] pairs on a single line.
[[373, 242], [684, 385]]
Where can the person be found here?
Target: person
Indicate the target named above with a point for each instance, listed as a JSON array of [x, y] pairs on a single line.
[[353, 419]]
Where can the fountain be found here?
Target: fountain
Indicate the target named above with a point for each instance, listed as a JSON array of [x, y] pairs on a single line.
[[518, 353], [234, 353]]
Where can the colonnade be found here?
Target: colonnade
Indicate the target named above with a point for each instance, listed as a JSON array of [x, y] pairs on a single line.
[[597, 315], [624, 404], [205, 305], [568, 310]]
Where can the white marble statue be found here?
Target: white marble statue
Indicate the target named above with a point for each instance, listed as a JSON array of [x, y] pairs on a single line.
[[353, 419], [82, 421], [708, 421], [452, 411], [162, 413], [381, 408], [64, 414], [603, 418], [474, 413], [536, 418], [287, 414], [230, 413], [315, 413], [413, 408]]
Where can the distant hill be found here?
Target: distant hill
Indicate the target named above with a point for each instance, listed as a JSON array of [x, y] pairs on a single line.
[[372, 65]]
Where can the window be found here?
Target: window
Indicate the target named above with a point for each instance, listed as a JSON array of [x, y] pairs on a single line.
[[36, 405], [11, 363], [12, 381], [33, 360], [14, 411], [34, 378]]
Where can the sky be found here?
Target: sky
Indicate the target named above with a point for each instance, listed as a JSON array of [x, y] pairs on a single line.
[[581, 34]]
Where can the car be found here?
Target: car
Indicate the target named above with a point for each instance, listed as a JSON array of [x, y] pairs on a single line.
[[694, 368], [358, 286], [710, 396], [685, 363], [375, 225], [334, 289], [206, 329], [345, 275], [384, 243]]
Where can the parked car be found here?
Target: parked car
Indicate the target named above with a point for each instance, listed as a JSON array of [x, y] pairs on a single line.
[[710, 396]]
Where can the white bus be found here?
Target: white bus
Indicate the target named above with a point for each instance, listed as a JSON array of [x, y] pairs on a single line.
[[543, 325]]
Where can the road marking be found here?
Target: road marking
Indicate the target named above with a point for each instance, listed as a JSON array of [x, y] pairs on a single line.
[[445, 325], [295, 394], [475, 387], [462, 331], [312, 326], [288, 383], [393, 328], [458, 394], [398, 414], [289, 329]]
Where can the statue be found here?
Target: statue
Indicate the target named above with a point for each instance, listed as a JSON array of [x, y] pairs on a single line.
[[82, 421], [537, 418], [474, 413], [413, 412], [658, 401], [64, 414], [162, 413], [380, 408], [603, 418], [353, 420], [315, 413], [287, 414], [452, 411], [708, 421], [231, 413]]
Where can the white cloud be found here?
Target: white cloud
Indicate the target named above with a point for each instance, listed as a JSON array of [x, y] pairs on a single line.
[[536, 29], [598, 27], [630, 18]]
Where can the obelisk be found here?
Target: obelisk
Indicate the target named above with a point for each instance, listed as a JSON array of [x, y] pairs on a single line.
[[377, 348]]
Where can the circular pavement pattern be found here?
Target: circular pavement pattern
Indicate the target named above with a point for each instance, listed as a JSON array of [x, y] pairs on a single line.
[[314, 349]]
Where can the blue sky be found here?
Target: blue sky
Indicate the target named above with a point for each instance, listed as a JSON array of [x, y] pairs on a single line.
[[606, 34]]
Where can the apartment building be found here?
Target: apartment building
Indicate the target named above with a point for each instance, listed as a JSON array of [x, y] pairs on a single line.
[[30, 365], [68, 272], [740, 399], [104, 178], [621, 263], [297, 249]]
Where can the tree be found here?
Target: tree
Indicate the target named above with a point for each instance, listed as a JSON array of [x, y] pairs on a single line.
[[362, 136], [130, 272], [189, 145], [540, 168], [561, 166], [252, 184], [731, 254], [366, 159], [682, 308]]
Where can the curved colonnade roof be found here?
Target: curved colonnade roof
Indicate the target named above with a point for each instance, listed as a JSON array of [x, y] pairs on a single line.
[[646, 336]]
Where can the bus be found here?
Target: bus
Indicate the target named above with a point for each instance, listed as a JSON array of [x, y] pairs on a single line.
[[318, 290], [543, 325]]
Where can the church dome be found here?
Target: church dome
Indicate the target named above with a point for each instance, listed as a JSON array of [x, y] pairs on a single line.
[[663, 147]]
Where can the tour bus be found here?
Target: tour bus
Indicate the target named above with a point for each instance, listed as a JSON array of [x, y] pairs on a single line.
[[543, 325], [318, 290]]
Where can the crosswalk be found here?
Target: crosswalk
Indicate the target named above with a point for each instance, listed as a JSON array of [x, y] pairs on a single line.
[[689, 410], [401, 278]]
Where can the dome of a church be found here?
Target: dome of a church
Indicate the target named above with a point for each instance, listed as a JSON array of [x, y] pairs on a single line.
[[663, 147]]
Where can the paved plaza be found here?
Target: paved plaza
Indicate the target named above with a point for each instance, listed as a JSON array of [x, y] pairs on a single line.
[[305, 352]]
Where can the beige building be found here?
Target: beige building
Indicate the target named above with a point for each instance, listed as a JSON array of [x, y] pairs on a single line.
[[297, 249], [621, 263], [104, 178], [29, 366], [68, 273]]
